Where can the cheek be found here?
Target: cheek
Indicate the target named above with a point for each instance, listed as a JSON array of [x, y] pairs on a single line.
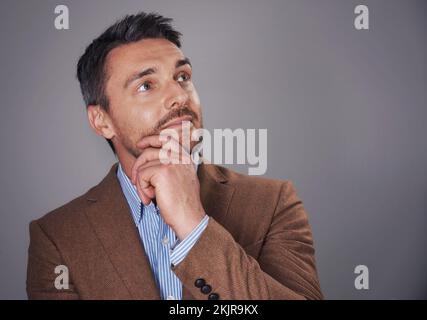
[[133, 115], [144, 117], [126, 122], [138, 115], [193, 94], [195, 101], [141, 118]]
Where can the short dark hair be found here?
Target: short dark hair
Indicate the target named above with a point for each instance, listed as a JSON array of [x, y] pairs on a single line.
[[91, 71]]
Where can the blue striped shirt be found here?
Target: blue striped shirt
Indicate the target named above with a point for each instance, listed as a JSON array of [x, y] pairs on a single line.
[[162, 246]]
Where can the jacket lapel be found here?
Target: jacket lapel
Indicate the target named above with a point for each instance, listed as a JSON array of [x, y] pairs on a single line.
[[215, 193], [119, 236]]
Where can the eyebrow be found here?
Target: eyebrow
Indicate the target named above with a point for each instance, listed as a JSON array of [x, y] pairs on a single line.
[[183, 62], [149, 71]]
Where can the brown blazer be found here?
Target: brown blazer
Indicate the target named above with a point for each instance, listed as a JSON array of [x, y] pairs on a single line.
[[257, 245]]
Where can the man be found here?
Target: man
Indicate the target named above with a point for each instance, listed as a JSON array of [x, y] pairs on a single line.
[[151, 230]]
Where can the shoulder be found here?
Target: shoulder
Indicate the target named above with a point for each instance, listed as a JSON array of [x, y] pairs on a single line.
[[255, 197], [72, 216], [255, 203], [265, 188], [69, 215]]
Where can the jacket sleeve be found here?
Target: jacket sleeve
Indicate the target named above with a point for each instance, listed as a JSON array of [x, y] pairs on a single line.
[[43, 259], [284, 269]]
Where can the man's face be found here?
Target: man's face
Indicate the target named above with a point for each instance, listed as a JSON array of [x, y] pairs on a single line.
[[148, 85]]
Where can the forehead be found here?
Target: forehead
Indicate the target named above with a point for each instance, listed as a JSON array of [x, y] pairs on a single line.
[[128, 58]]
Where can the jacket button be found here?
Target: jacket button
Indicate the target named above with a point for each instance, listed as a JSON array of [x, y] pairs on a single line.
[[200, 283], [213, 296], [206, 289]]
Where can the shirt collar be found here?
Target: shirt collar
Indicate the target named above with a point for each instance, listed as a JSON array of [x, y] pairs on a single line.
[[131, 194]]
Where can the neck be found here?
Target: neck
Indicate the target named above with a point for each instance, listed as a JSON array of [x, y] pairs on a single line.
[[126, 161]]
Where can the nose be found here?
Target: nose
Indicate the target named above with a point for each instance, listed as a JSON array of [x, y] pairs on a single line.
[[176, 96]]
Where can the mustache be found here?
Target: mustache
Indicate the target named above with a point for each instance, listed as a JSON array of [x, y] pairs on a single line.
[[174, 114]]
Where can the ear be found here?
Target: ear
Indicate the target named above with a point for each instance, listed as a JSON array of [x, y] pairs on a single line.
[[100, 121]]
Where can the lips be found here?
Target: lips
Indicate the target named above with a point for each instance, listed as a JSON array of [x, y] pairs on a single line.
[[177, 121]]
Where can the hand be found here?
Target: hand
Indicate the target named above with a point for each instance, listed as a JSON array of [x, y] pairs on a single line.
[[175, 185]]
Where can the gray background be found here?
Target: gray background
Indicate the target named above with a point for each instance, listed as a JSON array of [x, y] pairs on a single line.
[[345, 112]]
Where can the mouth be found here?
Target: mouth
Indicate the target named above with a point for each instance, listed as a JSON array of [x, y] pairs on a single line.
[[177, 122]]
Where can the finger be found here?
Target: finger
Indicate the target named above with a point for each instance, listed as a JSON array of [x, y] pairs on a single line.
[[148, 154], [145, 189], [152, 154], [153, 141], [148, 175], [149, 164], [176, 143], [150, 192], [172, 144], [158, 141], [142, 194]]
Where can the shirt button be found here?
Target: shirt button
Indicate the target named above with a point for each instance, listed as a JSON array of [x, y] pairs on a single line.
[[165, 240], [171, 298]]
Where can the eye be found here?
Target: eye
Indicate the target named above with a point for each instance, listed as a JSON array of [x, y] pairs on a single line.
[[144, 87], [183, 77]]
